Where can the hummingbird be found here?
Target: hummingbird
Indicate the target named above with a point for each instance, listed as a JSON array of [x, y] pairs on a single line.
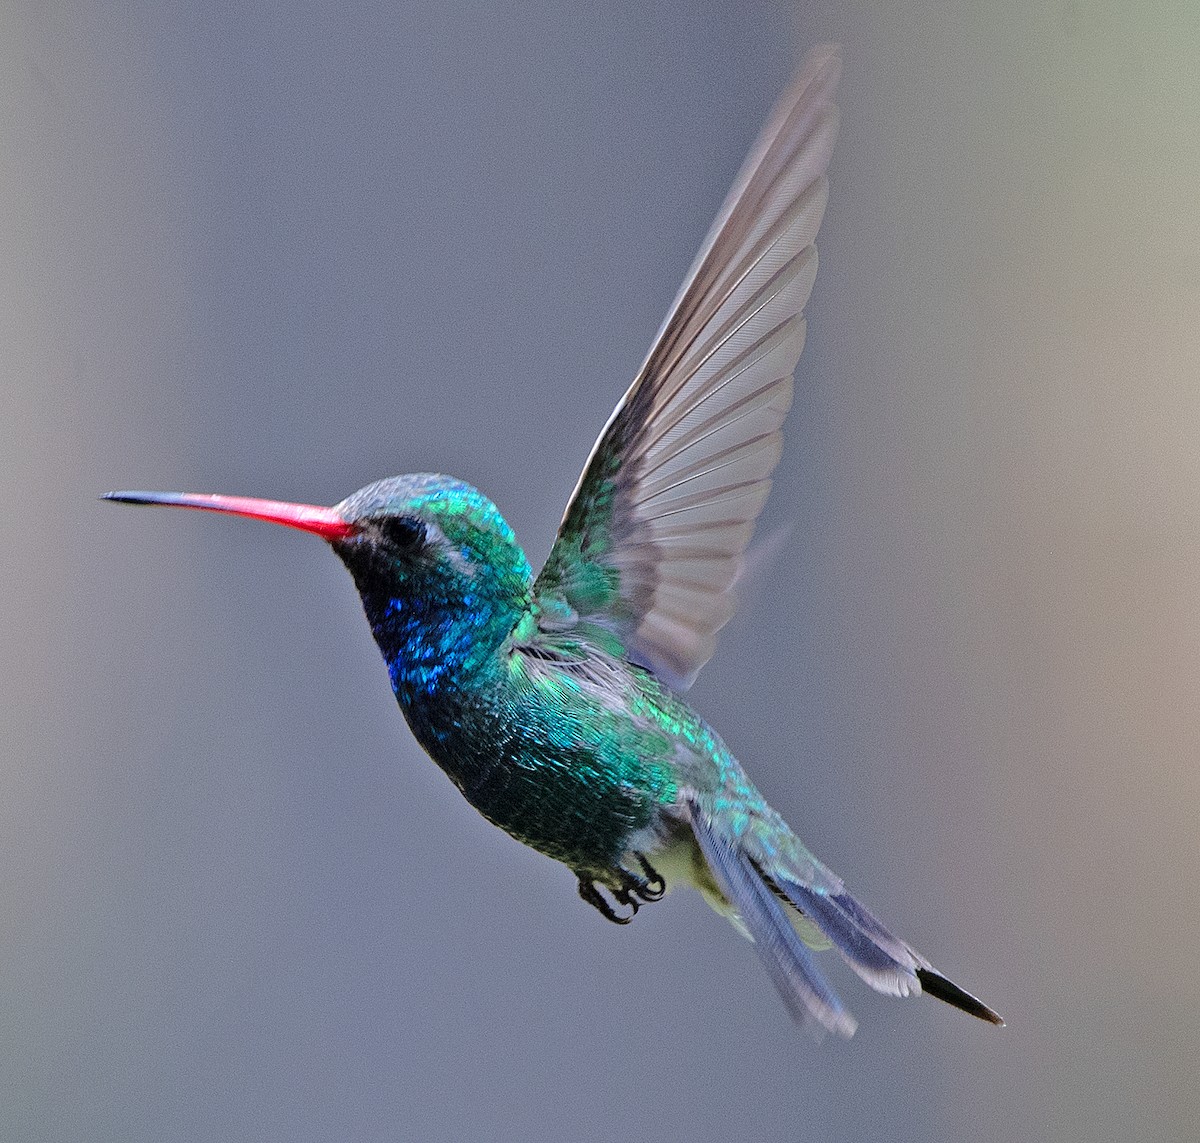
[[554, 703]]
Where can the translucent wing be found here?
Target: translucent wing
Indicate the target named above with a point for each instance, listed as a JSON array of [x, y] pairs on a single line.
[[652, 539]]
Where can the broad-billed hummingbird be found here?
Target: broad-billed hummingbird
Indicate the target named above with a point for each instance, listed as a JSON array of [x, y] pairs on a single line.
[[553, 703]]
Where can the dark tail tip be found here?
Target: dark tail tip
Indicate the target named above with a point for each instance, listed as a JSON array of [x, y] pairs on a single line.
[[937, 985]]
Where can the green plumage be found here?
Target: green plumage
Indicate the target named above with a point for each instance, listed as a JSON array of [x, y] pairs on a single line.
[[551, 736], [553, 704]]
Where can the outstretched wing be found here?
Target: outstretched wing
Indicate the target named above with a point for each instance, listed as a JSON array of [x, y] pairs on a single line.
[[652, 539]]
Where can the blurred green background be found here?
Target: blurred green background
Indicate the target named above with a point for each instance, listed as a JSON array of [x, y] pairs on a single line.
[[287, 249]]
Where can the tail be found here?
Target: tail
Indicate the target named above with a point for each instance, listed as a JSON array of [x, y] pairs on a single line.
[[776, 887]]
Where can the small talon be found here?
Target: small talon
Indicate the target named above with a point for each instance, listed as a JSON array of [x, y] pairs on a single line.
[[593, 896], [627, 896], [654, 886], [635, 888]]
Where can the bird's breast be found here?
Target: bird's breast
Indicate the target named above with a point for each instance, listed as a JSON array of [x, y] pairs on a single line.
[[567, 780]]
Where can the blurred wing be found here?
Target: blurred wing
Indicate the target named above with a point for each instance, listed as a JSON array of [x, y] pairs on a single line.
[[652, 540]]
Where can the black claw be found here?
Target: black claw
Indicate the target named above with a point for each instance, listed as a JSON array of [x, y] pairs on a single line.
[[628, 897], [635, 887], [592, 895], [633, 891], [654, 886]]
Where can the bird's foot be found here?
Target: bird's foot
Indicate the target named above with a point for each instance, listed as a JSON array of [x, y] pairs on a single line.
[[632, 891], [651, 886], [590, 892]]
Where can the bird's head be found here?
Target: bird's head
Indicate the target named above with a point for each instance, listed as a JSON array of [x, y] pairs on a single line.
[[412, 543], [432, 535]]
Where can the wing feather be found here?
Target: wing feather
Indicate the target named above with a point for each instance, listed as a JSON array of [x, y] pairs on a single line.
[[652, 540]]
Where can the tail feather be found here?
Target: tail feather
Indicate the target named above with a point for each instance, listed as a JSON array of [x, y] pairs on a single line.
[[886, 963], [786, 958], [937, 985], [755, 879]]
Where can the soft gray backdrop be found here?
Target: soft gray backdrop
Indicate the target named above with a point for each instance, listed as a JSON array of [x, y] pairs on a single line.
[[287, 249]]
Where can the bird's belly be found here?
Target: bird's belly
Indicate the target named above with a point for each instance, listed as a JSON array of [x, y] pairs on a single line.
[[576, 797]]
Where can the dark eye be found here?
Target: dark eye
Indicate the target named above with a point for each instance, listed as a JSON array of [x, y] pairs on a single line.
[[404, 533]]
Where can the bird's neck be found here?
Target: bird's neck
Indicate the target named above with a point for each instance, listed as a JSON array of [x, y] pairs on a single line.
[[435, 642]]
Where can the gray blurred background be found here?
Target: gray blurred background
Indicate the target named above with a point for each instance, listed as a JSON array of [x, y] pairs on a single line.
[[286, 250]]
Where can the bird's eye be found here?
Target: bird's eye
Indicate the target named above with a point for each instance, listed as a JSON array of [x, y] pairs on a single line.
[[404, 533]]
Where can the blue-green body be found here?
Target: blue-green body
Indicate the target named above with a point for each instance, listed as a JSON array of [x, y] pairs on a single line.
[[540, 719], [554, 736]]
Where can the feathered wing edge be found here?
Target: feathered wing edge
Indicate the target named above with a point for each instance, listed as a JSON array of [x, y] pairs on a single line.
[[884, 961], [652, 538]]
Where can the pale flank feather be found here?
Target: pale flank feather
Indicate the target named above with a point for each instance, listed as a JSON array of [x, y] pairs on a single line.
[[653, 537]]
